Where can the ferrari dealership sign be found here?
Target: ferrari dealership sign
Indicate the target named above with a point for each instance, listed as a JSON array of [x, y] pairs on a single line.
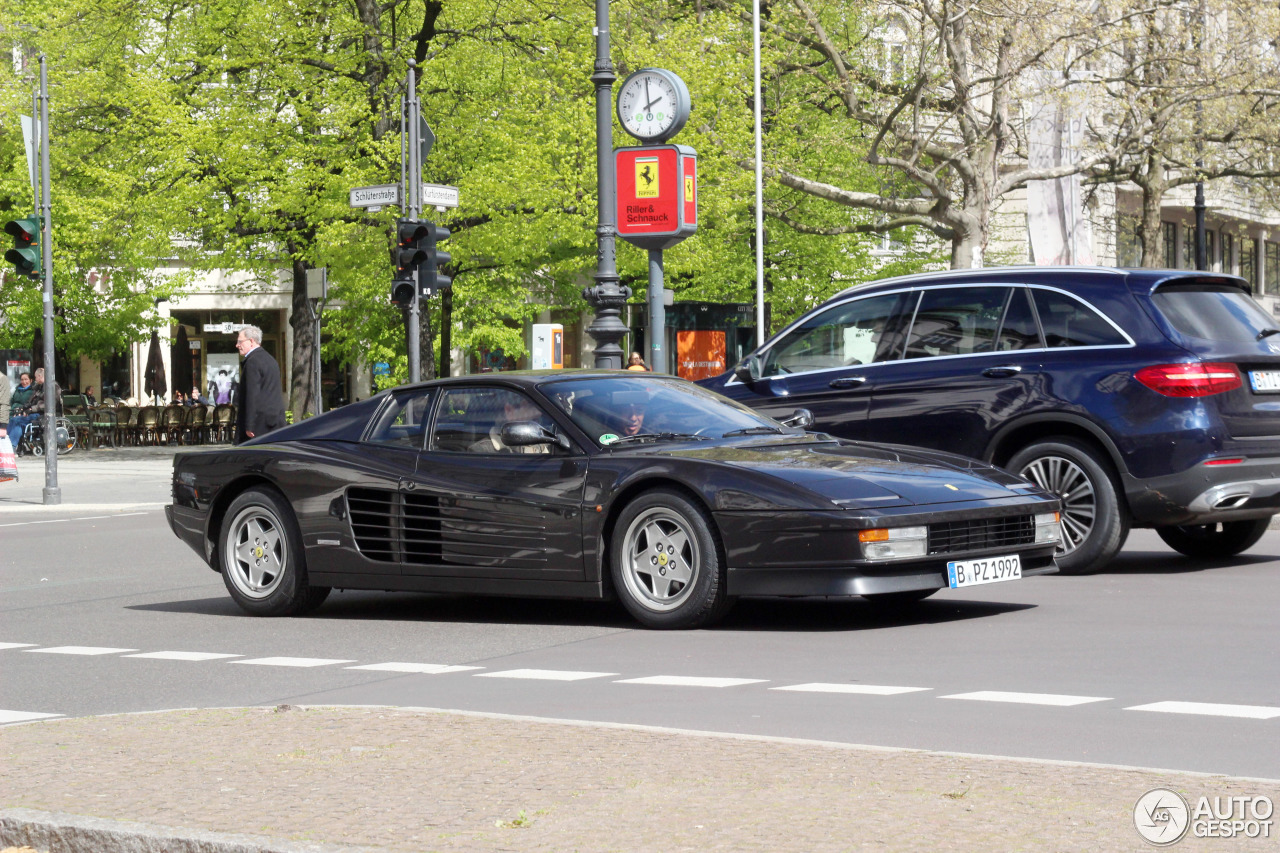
[[657, 194]]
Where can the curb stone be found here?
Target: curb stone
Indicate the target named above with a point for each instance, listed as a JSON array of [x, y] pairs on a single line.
[[58, 832]]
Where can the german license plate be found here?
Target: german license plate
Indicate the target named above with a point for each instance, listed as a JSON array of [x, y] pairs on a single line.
[[987, 570], [1265, 381]]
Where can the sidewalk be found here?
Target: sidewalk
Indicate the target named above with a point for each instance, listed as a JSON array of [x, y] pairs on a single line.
[[101, 479], [294, 779]]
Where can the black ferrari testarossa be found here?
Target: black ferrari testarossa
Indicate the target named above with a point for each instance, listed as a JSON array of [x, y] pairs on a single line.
[[595, 484]]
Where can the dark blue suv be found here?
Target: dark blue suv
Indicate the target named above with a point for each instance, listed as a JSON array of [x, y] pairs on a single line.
[[1146, 398]]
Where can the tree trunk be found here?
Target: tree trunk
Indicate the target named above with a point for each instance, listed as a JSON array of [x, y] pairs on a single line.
[[302, 390], [1151, 228]]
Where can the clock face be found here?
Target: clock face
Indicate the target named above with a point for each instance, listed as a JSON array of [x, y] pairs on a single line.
[[652, 104]]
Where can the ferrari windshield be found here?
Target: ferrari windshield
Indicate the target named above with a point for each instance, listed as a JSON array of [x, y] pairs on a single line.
[[637, 407]]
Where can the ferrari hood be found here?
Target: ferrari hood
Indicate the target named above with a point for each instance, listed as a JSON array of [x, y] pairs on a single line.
[[854, 474]]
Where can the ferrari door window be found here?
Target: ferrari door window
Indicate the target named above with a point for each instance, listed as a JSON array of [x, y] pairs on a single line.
[[403, 421], [471, 420], [956, 321], [861, 331]]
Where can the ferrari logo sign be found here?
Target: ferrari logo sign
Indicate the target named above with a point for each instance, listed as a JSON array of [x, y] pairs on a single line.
[[657, 194], [647, 185]]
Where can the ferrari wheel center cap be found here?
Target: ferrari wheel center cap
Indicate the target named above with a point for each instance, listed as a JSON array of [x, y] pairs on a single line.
[[258, 552], [662, 559]]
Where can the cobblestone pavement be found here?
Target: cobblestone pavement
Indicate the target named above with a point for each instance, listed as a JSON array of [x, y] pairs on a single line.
[[421, 780]]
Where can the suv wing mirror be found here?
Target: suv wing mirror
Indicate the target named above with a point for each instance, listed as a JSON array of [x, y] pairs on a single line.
[[748, 370]]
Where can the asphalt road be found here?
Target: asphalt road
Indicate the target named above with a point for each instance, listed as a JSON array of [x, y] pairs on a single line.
[[1161, 662]]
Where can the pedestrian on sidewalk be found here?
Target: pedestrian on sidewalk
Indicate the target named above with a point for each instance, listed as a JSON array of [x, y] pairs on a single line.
[[260, 401], [637, 362]]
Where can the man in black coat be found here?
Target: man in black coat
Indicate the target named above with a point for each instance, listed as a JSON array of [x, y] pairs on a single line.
[[260, 403]]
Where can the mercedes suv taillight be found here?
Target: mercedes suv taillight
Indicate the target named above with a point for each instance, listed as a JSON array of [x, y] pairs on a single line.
[[1195, 379]]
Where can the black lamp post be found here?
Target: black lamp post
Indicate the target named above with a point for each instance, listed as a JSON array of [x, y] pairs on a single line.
[[607, 297]]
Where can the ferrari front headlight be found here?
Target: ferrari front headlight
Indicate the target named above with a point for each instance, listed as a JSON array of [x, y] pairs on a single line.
[[890, 543]]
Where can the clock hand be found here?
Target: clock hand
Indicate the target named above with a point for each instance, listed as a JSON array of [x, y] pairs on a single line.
[[651, 103]]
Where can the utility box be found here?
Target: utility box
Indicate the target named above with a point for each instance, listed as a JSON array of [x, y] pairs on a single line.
[[547, 351]]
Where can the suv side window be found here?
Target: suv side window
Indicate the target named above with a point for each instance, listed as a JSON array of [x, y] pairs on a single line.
[[861, 331], [1068, 322], [956, 321], [1019, 330]]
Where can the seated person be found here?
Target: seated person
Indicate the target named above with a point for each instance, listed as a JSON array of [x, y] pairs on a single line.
[[515, 409]]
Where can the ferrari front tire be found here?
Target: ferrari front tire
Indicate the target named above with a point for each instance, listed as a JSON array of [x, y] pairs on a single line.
[[263, 564], [667, 562]]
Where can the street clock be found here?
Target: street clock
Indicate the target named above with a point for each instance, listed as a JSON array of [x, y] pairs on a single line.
[[653, 104]]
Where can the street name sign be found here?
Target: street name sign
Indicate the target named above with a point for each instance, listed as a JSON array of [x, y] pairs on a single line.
[[382, 195], [439, 195]]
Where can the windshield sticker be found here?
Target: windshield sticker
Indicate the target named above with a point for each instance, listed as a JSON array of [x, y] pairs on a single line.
[[608, 438]]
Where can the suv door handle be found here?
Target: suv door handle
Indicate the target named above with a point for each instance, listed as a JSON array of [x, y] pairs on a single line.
[[1003, 370], [847, 382]]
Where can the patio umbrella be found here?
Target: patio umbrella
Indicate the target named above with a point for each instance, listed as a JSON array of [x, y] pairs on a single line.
[[155, 384], [181, 361]]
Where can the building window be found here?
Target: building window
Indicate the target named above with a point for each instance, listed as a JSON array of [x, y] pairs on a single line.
[[1170, 245], [1272, 271], [1210, 244], [1189, 247], [1249, 262], [1229, 253]]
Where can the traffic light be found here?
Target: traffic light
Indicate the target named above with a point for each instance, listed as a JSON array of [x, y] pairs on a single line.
[[25, 254], [430, 281], [411, 236]]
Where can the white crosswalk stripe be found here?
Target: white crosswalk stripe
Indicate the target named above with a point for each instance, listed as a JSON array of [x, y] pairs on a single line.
[[691, 681], [1253, 712], [424, 668], [867, 689], [16, 645], [79, 650], [300, 662], [23, 716], [192, 656], [545, 674], [1027, 698]]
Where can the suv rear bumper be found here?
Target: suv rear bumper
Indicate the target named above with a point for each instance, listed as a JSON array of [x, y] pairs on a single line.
[[1207, 493]]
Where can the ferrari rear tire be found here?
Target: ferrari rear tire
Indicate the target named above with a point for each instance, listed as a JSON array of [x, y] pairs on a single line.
[[1206, 541], [263, 563], [667, 562]]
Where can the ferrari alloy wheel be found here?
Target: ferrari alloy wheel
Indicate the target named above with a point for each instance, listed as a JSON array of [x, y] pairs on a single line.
[[1207, 541], [666, 562], [263, 564], [1094, 521]]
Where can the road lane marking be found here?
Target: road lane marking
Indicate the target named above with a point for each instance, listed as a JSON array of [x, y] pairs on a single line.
[[192, 656], [22, 716], [1253, 712], [691, 681], [545, 674], [869, 689], [79, 650], [76, 518], [424, 668], [1027, 698], [282, 661], [17, 645]]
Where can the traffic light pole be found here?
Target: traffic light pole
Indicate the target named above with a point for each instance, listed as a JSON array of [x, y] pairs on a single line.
[[52, 494], [412, 209]]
